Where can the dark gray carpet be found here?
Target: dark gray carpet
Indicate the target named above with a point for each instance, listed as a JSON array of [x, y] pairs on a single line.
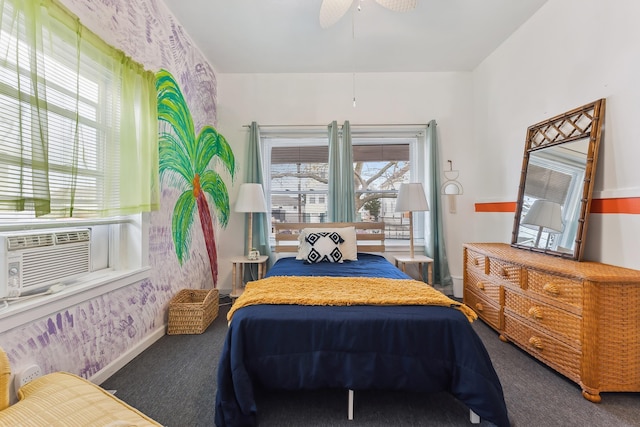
[[174, 382]]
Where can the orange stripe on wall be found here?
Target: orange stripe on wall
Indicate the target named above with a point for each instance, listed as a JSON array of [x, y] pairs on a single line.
[[628, 205], [496, 207]]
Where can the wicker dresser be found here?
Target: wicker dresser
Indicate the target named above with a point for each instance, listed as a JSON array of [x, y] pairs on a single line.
[[580, 318]]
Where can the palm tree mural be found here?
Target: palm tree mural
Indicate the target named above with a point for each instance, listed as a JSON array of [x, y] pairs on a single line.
[[184, 161]]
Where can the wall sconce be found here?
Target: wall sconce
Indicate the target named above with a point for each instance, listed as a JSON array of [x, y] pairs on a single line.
[[451, 187]]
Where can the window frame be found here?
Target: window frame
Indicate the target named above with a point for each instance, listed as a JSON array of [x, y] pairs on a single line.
[[413, 135]]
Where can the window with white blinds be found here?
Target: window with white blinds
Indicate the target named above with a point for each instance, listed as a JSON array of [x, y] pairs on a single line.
[[61, 107], [297, 165]]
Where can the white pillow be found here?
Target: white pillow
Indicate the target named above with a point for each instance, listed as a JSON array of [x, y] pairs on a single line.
[[349, 247], [324, 247]]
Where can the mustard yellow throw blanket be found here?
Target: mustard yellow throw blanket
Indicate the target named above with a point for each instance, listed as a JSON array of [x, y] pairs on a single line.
[[343, 291]]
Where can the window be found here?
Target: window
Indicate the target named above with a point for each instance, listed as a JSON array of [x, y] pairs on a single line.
[[297, 167], [78, 133], [380, 165], [77, 120]]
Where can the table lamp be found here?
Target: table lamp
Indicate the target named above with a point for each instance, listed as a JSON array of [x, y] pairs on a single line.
[[250, 199], [411, 198]]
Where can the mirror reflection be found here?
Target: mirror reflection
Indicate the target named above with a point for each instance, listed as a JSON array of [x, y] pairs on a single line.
[[552, 195]]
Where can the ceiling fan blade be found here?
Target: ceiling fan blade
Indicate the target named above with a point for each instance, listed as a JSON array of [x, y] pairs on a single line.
[[332, 10], [398, 5]]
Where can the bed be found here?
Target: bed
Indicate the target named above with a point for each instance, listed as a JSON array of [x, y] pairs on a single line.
[[287, 345]]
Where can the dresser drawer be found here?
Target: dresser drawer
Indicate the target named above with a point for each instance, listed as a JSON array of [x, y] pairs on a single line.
[[560, 288], [475, 260], [560, 324], [561, 357], [482, 286], [505, 271], [486, 310]]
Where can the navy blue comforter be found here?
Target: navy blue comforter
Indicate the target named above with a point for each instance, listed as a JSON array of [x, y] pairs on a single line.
[[368, 265], [409, 348]]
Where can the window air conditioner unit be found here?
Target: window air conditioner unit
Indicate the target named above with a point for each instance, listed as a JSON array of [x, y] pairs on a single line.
[[33, 260]]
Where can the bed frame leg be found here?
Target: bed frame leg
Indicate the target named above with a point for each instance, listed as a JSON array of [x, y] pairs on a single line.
[[475, 418], [350, 408]]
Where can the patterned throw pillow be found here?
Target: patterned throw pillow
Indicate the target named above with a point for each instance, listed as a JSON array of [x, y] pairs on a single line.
[[325, 247], [349, 247]]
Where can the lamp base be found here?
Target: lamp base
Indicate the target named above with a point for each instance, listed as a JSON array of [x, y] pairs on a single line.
[[411, 234]]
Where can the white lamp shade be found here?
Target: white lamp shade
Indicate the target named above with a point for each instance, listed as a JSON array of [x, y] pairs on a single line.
[[411, 198], [545, 214], [251, 198]]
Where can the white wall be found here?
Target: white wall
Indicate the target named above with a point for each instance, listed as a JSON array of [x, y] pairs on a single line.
[[569, 53], [317, 99]]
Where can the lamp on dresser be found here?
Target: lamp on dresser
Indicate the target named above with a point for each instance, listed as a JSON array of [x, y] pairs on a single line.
[[250, 199], [411, 199], [544, 215]]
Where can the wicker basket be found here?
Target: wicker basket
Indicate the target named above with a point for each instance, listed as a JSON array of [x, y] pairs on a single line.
[[191, 311]]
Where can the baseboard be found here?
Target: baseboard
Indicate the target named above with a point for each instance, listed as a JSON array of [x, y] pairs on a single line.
[[128, 356]]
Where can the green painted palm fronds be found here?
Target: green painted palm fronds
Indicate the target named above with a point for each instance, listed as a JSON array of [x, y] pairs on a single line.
[[186, 163]]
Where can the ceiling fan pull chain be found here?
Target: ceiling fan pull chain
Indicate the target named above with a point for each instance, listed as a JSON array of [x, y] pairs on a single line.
[[353, 52]]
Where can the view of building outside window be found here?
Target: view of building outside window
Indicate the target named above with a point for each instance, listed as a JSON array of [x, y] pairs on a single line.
[[299, 184], [299, 192]]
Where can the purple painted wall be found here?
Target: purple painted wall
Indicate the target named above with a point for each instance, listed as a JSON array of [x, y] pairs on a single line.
[[85, 338]]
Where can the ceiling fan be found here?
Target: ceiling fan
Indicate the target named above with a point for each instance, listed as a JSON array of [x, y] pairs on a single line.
[[332, 10]]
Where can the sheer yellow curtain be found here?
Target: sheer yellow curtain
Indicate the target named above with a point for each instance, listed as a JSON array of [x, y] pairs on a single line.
[[138, 183], [23, 114], [78, 121]]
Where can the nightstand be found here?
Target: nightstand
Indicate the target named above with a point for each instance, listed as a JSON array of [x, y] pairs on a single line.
[[402, 260], [237, 270]]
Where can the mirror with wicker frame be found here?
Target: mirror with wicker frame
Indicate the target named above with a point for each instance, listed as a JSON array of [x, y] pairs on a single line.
[[556, 182]]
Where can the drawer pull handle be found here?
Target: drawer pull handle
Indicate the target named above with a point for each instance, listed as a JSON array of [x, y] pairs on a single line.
[[551, 288], [536, 343], [479, 306], [535, 312], [476, 262], [504, 272], [480, 286]]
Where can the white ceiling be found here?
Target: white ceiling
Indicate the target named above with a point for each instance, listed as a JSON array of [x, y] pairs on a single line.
[[284, 36]]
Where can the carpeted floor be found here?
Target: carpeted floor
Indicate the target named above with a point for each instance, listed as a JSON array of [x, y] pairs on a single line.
[[174, 382]]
